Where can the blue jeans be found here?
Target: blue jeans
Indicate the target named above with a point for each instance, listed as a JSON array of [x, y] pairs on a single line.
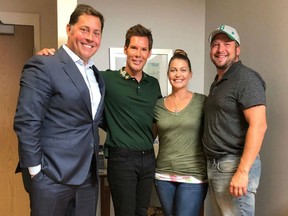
[[131, 177], [181, 199], [220, 172]]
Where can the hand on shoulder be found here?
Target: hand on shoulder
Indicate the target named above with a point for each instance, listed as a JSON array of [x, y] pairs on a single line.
[[46, 51]]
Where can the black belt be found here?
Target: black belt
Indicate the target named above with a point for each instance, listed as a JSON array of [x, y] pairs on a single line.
[[128, 152]]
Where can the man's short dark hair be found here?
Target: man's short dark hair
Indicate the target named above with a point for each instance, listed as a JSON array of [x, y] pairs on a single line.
[[140, 31], [82, 9]]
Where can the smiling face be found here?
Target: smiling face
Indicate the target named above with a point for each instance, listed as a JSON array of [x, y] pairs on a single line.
[[224, 52], [179, 73], [84, 37], [137, 54]]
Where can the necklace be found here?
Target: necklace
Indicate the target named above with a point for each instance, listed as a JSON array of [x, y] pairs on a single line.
[[176, 110]]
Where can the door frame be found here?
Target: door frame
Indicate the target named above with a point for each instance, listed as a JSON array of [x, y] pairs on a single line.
[[24, 19]]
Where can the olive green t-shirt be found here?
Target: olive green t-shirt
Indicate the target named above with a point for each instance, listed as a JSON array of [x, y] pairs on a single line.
[[180, 135]]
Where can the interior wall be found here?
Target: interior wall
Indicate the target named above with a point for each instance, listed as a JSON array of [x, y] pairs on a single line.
[[47, 11], [263, 31], [64, 10]]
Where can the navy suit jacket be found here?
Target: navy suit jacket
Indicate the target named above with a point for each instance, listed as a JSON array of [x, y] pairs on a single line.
[[53, 119]]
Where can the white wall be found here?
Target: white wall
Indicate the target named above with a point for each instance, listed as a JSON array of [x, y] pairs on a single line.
[[64, 10], [262, 26]]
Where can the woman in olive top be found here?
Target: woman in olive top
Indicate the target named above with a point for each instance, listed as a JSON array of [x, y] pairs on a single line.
[[181, 179]]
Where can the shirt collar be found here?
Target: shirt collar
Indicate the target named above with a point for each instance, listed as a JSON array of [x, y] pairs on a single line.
[[127, 76], [76, 58]]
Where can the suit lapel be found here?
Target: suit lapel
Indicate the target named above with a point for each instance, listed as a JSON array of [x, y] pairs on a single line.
[[73, 72], [102, 89]]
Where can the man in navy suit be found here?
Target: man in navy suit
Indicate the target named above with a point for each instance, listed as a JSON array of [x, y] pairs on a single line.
[[59, 110]]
